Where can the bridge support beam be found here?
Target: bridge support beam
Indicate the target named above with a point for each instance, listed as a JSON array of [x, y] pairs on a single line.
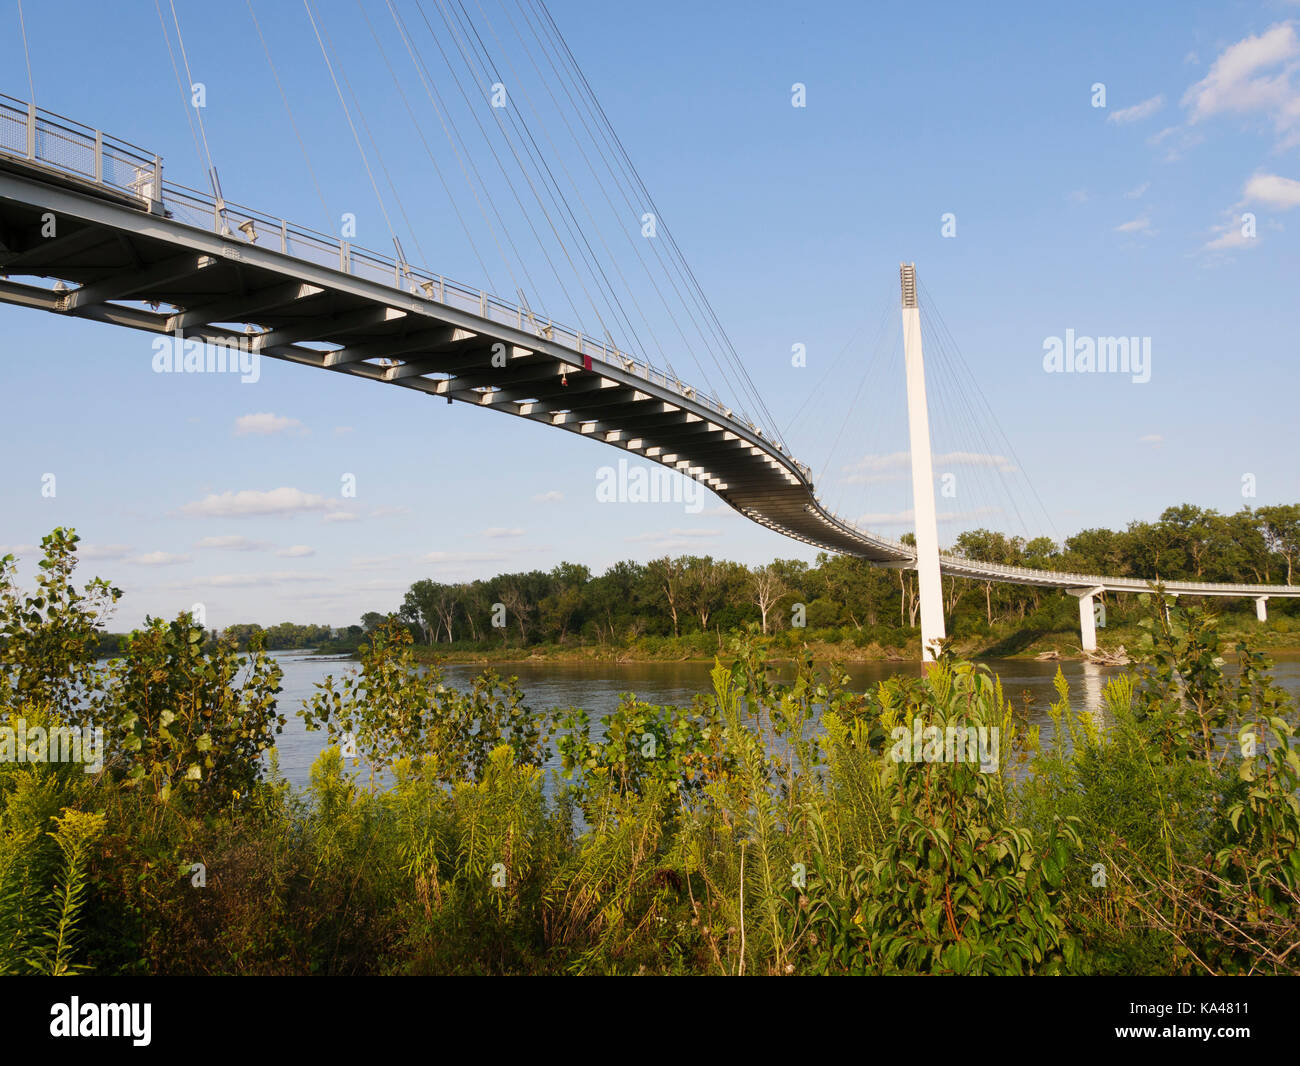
[[1087, 616], [929, 587], [1261, 608]]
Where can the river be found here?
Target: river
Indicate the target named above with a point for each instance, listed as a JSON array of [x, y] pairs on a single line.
[[597, 686]]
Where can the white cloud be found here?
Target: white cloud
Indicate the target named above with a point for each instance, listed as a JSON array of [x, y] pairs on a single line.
[[908, 517], [1078, 196], [1273, 191], [340, 430], [389, 512], [17, 549], [1151, 438], [249, 503], [498, 532], [462, 557], [548, 497], [673, 536], [265, 423], [999, 463], [1134, 194], [1254, 75], [159, 559], [296, 551], [1228, 237], [873, 469], [274, 577], [1136, 225], [340, 516], [100, 551], [233, 543], [1175, 140], [1137, 112], [376, 562]]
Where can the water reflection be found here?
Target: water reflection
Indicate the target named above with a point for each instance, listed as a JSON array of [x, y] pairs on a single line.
[[597, 687]]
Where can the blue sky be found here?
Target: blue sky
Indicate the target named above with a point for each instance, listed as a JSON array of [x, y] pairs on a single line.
[[1123, 220]]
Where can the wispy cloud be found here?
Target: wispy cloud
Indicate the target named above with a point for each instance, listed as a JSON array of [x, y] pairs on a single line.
[[1134, 194], [1151, 438], [548, 497], [264, 423], [1137, 112], [674, 535], [1239, 229], [101, 551], [878, 519], [451, 558], [250, 503], [1229, 236], [1253, 76], [273, 577], [500, 532], [1273, 190], [158, 559], [376, 562], [233, 543], [874, 469], [1136, 225], [296, 551]]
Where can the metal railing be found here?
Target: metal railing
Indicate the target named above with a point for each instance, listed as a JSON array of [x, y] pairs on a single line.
[[63, 144], [1137, 584], [70, 147]]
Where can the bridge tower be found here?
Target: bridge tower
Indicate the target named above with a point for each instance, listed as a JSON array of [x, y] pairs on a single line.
[[918, 420]]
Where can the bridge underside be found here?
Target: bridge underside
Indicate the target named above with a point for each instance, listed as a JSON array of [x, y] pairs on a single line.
[[130, 267], [127, 261]]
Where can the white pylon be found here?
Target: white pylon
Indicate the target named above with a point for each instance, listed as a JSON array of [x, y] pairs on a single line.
[[918, 420]]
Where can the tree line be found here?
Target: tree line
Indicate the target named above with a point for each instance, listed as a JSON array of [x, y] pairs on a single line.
[[682, 595]]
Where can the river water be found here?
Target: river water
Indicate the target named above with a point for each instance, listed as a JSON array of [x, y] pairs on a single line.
[[596, 687]]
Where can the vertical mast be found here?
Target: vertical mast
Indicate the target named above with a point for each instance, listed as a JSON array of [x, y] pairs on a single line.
[[918, 421]]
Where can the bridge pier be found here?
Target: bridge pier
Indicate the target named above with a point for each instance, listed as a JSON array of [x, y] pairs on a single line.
[[1261, 608], [929, 586], [1087, 618]]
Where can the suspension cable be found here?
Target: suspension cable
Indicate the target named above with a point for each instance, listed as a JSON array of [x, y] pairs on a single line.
[[27, 55], [185, 96], [302, 146], [348, 114], [198, 112]]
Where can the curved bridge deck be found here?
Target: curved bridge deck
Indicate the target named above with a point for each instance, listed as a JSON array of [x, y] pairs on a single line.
[[232, 277]]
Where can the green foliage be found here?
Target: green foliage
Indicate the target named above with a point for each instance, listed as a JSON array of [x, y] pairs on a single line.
[[50, 636], [773, 827], [951, 884], [182, 715], [392, 709]]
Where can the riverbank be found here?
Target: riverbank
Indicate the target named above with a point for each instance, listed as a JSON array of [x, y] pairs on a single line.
[[1280, 637]]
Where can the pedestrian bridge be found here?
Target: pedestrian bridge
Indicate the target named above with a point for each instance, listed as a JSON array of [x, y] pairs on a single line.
[[91, 228]]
